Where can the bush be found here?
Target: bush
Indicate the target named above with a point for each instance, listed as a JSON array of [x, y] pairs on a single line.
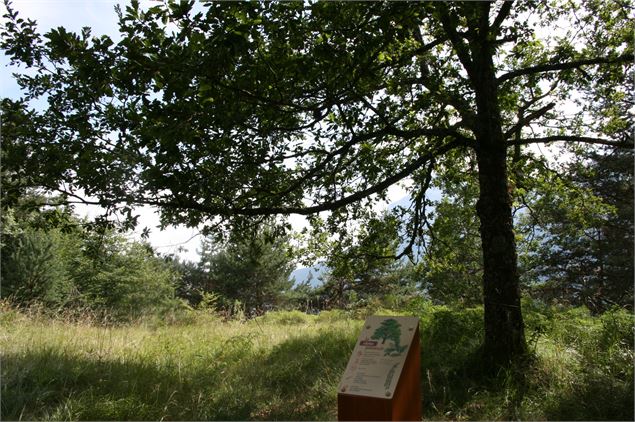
[[122, 278], [573, 327], [79, 271], [449, 337], [32, 270], [586, 366], [617, 329]]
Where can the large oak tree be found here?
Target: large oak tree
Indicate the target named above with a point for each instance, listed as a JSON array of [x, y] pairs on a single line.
[[225, 111]]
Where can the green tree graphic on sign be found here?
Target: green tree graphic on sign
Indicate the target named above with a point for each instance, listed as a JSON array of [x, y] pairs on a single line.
[[390, 330]]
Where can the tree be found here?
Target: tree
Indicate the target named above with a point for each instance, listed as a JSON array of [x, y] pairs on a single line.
[[34, 247], [581, 226], [611, 178], [122, 278], [233, 110], [192, 281], [302, 296], [52, 257], [251, 267], [31, 271]]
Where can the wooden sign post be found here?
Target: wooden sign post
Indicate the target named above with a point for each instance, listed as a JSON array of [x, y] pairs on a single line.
[[382, 380]]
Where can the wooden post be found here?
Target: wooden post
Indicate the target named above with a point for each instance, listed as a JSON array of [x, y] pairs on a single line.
[[380, 383]]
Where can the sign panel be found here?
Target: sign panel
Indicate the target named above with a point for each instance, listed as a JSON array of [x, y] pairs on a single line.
[[379, 355]]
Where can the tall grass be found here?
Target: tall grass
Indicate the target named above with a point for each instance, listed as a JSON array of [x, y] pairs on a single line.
[[286, 366], [208, 369]]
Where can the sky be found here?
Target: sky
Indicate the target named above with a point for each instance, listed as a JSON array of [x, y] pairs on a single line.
[[100, 16]]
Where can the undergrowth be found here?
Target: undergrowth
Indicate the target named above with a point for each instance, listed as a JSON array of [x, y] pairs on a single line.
[[286, 365]]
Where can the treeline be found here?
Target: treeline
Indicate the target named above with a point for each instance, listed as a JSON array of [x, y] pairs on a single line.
[[55, 259], [574, 231]]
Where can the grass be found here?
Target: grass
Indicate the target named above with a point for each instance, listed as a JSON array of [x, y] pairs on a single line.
[[286, 366], [208, 369]]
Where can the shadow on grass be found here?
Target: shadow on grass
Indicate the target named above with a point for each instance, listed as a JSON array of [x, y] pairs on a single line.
[[455, 385], [49, 385], [594, 399], [594, 381], [297, 379]]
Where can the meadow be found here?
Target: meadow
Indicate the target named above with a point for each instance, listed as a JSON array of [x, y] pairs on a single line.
[[286, 366]]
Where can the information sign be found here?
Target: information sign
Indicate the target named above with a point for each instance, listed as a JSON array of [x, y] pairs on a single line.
[[379, 356]]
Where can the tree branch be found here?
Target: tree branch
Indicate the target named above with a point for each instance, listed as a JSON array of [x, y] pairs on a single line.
[[460, 105], [563, 66], [419, 212], [424, 48], [359, 138], [449, 27], [527, 119], [570, 138], [503, 12], [178, 203]]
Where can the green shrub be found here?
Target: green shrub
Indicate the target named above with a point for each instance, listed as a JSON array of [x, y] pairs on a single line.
[[617, 329], [125, 280], [32, 270], [573, 327], [450, 336], [364, 312], [587, 366]]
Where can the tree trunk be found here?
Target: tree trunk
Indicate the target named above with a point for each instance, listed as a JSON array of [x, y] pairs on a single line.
[[504, 328]]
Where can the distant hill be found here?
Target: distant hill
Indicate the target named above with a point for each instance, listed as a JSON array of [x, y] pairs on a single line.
[[433, 194], [302, 274]]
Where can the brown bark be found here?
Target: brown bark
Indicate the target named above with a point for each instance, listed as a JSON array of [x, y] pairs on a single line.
[[504, 328]]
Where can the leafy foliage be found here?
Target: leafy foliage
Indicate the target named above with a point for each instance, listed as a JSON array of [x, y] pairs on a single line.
[[252, 268], [357, 97], [32, 271], [361, 264], [452, 267], [56, 259], [124, 278]]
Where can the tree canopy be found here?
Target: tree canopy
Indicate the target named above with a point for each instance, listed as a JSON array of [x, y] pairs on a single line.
[[305, 107], [225, 111]]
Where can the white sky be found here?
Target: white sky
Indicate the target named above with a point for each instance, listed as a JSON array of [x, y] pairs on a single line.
[[100, 16]]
